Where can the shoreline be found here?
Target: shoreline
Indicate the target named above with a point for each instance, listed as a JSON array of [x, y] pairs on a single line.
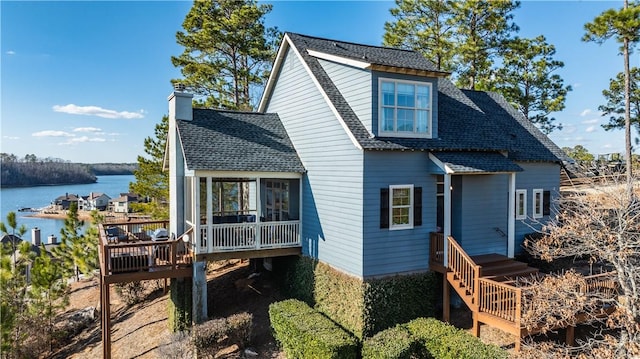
[[82, 215]]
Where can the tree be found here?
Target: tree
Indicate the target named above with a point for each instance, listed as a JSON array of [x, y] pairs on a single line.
[[483, 27], [425, 26], [527, 81], [624, 25], [15, 229], [227, 52], [615, 106], [77, 252], [151, 181], [579, 153], [601, 224]]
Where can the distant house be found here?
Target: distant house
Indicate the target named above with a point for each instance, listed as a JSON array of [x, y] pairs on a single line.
[[123, 203], [64, 202], [94, 201]]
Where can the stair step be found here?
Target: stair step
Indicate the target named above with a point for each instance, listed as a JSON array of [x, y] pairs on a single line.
[[484, 259], [503, 267], [510, 275]]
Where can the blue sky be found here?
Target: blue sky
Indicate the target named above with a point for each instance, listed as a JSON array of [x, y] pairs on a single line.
[[88, 81]]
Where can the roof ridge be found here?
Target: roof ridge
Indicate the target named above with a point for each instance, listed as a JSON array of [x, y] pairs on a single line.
[[231, 111], [350, 42]]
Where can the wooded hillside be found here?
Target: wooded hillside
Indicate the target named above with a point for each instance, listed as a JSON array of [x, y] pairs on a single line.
[[34, 171]]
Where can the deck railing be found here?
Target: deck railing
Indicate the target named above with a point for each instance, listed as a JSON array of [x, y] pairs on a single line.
[[127, 247], [499, 299], [436, 248], [462, 266], [247, 236]]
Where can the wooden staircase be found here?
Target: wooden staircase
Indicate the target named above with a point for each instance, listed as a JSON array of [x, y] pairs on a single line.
[[487, 285]]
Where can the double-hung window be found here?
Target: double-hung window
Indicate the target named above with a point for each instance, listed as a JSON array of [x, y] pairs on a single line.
[[405, 108], [400, 207], [521, 204], [537, 203]]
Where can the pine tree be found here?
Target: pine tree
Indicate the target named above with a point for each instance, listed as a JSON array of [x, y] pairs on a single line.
[[16, 232], [527, 81], [624, 26], [77, 252], [615, 106], [151, 181], [425, 26], [227, 52]]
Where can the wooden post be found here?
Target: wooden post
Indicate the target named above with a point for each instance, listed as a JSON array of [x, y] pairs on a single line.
[[106, 320], [518, 317], [571, 335], [446, 299], [475, 330]]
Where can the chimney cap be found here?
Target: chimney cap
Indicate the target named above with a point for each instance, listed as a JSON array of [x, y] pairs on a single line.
[[179, 86]]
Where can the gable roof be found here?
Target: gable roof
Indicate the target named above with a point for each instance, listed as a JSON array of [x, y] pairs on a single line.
[[237, 141], [463, 124]]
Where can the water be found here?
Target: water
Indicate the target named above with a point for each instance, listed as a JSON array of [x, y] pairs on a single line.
[[12, 199]]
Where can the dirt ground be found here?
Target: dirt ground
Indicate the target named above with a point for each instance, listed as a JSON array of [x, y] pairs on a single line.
[[142, 330]]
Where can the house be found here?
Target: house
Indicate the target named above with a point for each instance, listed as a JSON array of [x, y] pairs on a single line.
[[64, 202], [357, 155], [122, 204], [94, 201]]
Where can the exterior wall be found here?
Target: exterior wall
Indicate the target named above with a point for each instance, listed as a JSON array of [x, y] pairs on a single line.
[[355, 85], [388, 251], [332, 187], [376, 95], [545, 176], [479, 210]]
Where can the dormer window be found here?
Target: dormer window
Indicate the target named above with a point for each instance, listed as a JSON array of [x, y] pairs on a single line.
[[405, 108]]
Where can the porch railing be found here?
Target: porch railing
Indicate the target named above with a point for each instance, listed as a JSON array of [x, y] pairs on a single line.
[[127, 247], [462, 266], [436, 248], [499, 299], [247, 236]]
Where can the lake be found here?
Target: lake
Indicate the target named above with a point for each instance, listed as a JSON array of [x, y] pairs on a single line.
[[12, 199]]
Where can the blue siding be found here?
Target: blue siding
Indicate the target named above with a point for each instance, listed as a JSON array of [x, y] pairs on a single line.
[[332, 187], [375, 95], [355, 86], [545, 176], [479, 207], [396, 251]]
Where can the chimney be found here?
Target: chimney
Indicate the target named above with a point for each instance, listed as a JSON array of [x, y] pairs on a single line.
[[35, 237], [53, 239], [180, 104]]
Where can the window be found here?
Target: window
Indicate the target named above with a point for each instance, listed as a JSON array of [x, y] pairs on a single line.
[[400, 207], [405, 108], [521, 204], [537, 203]]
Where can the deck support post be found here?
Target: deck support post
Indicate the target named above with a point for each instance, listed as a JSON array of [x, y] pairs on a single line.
[[570, 335], [446, 299], [517, 343], [105, 308], [475, 330], [199, 296]]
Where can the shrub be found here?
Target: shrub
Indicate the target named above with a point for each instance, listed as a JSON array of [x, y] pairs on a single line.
[[211, 336], [131, 292], [361, 307], [178, 346], [180, 304], [305, 333], [393, 343], [441, 340]]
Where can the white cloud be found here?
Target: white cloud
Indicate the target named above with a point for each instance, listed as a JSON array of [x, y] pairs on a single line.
[[82, 139], [569, 129], [608, 145], [52, 133], [97, 111], [11, 52], [87, 129], [586, 112], [591, 121], [11, 137], [590, 129]]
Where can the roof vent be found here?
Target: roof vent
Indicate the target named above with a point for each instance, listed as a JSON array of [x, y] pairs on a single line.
[[178, 86]]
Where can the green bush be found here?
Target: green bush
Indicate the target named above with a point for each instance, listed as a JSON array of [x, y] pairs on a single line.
[[393, 343], [213, 335], [362, 307], [305, 333], [180, 304], [444, 341]]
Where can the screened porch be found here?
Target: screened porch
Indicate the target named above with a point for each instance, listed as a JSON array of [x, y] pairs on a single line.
[[243, 214]]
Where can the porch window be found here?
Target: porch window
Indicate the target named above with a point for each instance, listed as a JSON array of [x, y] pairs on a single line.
[[405, 108], [521, 204], [537, 203], [277, 200]]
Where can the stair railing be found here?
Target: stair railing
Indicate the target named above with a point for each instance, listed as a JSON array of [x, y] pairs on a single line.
[[463, 267]]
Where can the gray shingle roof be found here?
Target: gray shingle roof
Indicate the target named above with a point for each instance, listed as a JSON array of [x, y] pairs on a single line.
[[481, 123], [237, 141], [477, 162]]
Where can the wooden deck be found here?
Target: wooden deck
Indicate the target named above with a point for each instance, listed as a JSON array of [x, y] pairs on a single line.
[[488, 286]]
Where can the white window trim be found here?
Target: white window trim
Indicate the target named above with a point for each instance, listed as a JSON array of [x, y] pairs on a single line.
[[524, 204], [538, 194], [427, 134], [393, 227]]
